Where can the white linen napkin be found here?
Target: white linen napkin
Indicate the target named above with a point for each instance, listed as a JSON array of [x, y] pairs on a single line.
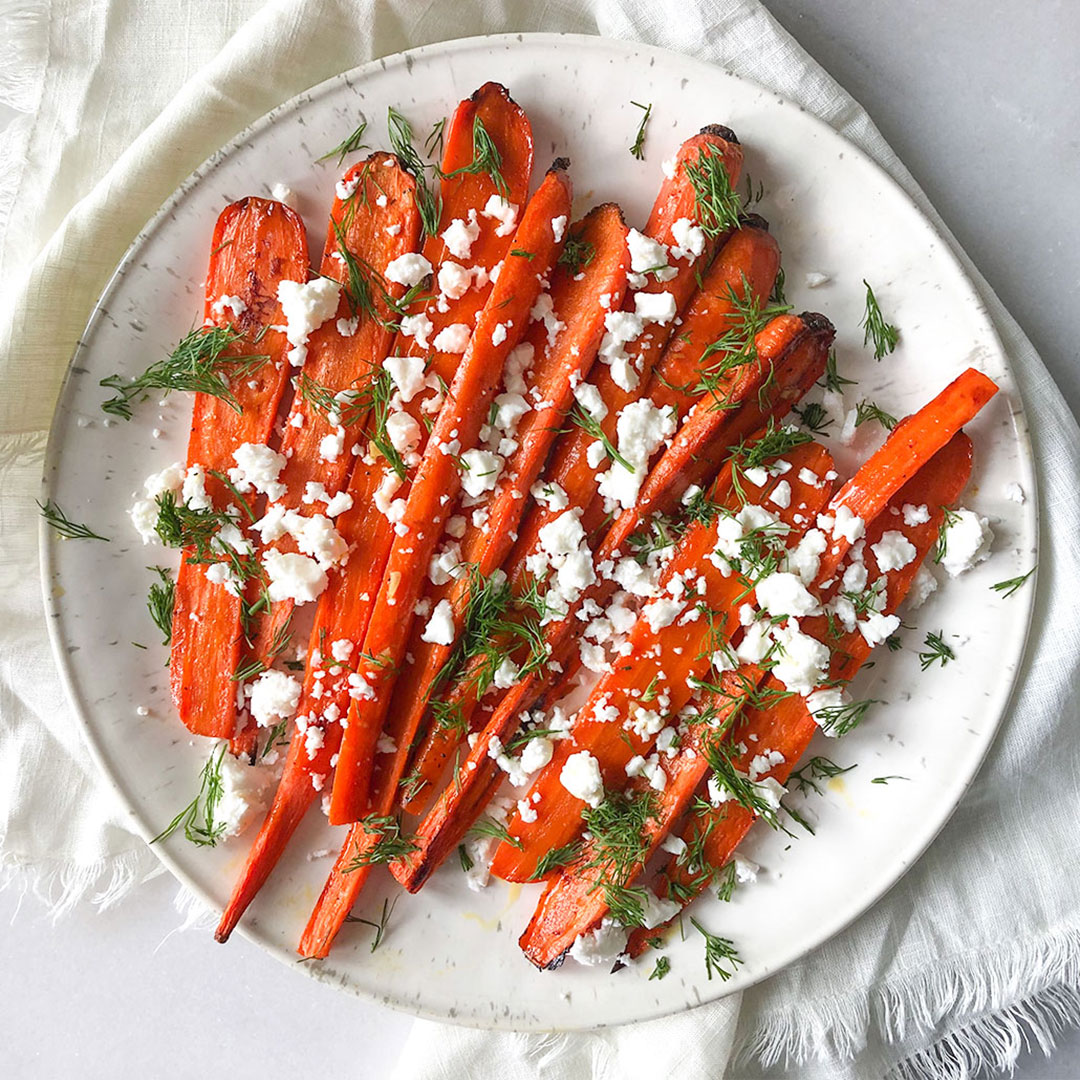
[[977, 948]]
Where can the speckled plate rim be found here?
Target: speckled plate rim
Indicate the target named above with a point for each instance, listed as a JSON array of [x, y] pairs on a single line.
[[871, 892]]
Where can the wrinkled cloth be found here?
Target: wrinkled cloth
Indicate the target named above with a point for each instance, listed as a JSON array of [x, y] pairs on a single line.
[[118, 101]]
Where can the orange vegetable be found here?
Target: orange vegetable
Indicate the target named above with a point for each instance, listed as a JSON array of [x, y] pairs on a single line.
[[499, 328], [256, 244]]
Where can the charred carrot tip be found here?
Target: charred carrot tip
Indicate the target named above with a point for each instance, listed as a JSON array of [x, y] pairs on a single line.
[[818, 323], [753, 221], [721, 131]]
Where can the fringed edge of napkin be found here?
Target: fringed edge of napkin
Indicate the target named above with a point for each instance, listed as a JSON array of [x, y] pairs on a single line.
[[61, 885], [996, 1002]]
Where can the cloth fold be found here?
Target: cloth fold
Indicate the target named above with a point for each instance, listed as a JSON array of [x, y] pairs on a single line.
[[976, 949]]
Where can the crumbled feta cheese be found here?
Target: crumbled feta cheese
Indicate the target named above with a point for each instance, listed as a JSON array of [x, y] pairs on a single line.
[[922, 585], [293, 577], [273, 696], [194, 489], [801, 661], [544, 311], [234, 303], [440, 627], [502, 211], [600, 947], [875, 628], [408, 375], [454, 280], [893, 551], [306, 306], [689, 239], [591, 400], [453, 338], [418, 327], [282, 193], [331, 446], [580, 775], [1014, 493], [658, 307], [459, 236], [781, 495], [784, 594], [815, 278], [915, 515], [480, 471], [967, 541], [338, 504], [258, 467], [640, 430], [558, 228], [403, 431], [408, 270]]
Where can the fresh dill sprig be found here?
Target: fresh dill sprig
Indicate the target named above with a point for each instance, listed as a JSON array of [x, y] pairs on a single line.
[[160, 601], [817, 768], [555, 859], [638, 147], [660, 536], [486, 158], [726, 889], [663, 966], [62, 524], [576, 253], [941, 545], [867, 410], [738, 785], [814, 417], [378, 393], [840, 719], [1007, 588], [390, 843], [591, 426], [465, 859], [433, 144], [618, 848], [197, 817], [937, 651], [198, 364], [273, 737], [350, 144], [380, 925], [522, 254], [717, 203], [719, 953], [875, 329], [893, 643], [180, 526], [833, 380], [487, 826], [427, 197], [348, 405], [257, 665]]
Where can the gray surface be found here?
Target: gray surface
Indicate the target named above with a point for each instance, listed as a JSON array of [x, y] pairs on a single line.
[[982, 101]]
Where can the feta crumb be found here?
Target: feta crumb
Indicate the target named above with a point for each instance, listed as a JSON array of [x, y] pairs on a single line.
[[440, 627], [273, 696], [293, 577], [580, 775], [967, 541], [453, 338], [305, 307], [408, 270], [502, 211]]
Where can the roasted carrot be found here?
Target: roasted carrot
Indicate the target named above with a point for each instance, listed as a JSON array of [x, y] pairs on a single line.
[[256, 244], [785, 727], [663, 665], [740, 276], [499, 328], [560, 361], [344, 609]]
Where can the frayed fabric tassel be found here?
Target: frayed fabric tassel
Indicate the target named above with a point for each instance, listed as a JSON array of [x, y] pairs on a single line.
[[62, 886], [992, 1044], [997, 1003]]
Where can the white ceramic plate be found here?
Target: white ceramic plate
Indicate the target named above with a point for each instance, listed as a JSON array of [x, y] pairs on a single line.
[[450, 954]]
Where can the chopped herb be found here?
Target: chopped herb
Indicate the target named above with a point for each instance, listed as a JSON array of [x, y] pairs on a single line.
[[663, 966], [378, 926], [814, 417], [555, 859], [738, 785], [160, 601], [893, 643], [466, 859], [197, 817], [719, 952], [726, 889], [576, 253], [274, 737], [817, 768], [349, 145], [591, 426], [433, 144], [833, 379], [637, 149], [941, 545], [717, 203], [62, 524], [937, 651], [1007, 588], [875, 329], [530, 255], [486, 158], [390, 843], [197, 364], [840, 719], [867, 410], [496, 830], [428, 198], [886, 779]]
